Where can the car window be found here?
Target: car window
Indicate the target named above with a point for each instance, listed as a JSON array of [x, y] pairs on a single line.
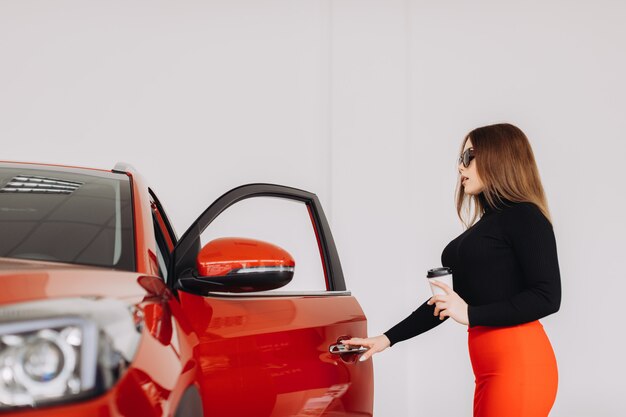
[[279, 221], [163, 256], [53, 215], [169, 234], [164, 235]]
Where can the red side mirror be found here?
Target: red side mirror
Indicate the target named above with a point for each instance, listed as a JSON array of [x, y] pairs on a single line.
[[235, 264]]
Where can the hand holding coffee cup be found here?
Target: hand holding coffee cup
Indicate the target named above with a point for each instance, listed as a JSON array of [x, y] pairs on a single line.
[[443, 275], [447, 302]]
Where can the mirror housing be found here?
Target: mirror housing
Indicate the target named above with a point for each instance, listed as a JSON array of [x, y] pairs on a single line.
[[235, 264]]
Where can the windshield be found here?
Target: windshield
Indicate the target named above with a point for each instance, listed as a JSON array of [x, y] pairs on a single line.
[[64, 216]]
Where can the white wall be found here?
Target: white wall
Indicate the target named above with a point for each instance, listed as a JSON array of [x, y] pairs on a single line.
[[221, 92], [364, 103]]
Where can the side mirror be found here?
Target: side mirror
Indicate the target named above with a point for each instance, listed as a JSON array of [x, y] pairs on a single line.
[[234, 264]]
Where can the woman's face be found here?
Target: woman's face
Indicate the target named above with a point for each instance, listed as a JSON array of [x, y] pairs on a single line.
[[472, 184]]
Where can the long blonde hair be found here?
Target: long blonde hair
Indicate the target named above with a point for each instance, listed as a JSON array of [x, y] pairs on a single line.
[[506, 165]]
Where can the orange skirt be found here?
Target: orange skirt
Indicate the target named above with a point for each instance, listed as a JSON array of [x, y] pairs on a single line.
[[515, 369]]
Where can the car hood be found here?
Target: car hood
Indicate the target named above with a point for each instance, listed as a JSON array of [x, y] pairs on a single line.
[[28, 280]]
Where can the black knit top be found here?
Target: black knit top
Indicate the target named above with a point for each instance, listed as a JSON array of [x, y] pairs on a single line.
[[505, 267]]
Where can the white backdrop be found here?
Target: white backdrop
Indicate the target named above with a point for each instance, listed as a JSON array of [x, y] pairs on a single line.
[[365, 103]]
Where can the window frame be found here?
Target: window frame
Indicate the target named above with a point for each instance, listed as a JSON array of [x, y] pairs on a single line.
[[188, 246]]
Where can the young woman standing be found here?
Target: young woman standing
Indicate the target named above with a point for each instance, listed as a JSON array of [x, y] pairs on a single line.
[[506, 277]]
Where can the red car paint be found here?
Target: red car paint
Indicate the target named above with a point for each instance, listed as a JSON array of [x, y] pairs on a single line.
[[250, 355]]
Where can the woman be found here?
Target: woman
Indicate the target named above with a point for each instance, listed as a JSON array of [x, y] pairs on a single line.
[[506, 277]]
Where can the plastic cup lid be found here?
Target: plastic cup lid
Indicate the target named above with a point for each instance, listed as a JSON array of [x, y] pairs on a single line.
[[439, 272]]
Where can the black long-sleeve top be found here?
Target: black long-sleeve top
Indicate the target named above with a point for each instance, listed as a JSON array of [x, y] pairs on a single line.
[[505, 267]]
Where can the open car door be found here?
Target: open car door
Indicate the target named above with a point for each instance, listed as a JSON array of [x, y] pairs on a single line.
[[267, 347]]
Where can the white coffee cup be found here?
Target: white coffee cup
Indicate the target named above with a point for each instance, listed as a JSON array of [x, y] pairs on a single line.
[[442, 274]]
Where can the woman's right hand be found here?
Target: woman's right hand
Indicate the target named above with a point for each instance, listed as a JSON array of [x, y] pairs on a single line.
[[375, 345]]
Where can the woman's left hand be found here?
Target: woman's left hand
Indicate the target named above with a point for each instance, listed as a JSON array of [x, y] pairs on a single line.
[[449, 304]]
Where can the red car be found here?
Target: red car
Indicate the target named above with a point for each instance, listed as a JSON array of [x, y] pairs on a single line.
[[104, 311]]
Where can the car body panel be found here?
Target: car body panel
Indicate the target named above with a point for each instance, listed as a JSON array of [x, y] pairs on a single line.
[[27, 280], [270, 356]]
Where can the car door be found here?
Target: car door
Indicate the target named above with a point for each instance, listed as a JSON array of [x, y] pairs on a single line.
[[268, 353]]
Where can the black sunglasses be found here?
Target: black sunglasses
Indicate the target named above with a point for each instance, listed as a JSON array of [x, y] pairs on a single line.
[[466, 157]]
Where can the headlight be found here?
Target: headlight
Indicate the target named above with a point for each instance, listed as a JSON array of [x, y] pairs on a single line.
[[63, 350]]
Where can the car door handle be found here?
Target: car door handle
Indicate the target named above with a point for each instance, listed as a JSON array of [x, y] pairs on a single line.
[[340, 349]]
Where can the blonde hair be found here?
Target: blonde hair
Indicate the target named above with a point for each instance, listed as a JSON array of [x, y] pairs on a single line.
[[506, 165]]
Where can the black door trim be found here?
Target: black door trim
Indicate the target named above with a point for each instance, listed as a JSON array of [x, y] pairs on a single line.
[[186, 250]]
